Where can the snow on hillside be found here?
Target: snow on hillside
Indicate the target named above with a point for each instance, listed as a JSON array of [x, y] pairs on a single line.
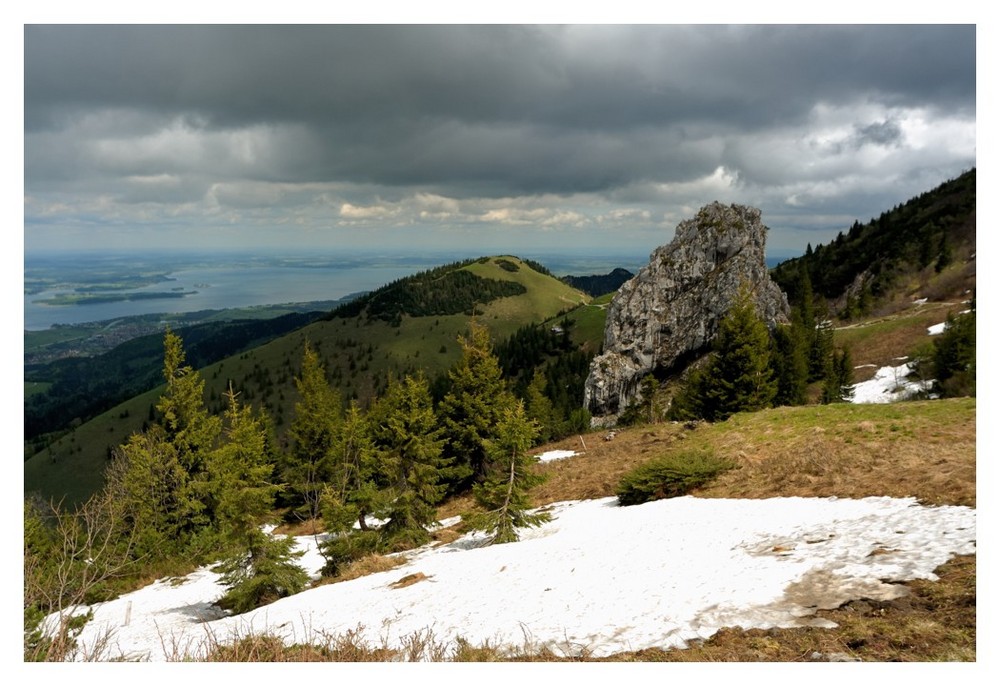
[[598, 578], [553, 455], [889, 385]]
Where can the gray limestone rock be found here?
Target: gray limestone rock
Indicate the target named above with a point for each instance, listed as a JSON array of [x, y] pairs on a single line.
[[670, 311]]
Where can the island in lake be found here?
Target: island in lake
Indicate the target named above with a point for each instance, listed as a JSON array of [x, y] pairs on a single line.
[[65, 299]]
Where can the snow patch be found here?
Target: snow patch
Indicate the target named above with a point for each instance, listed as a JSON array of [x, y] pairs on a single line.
[[598, 578], [555, 455], [889, 385]]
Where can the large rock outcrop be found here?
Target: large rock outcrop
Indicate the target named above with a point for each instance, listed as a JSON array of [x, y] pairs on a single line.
[[670, 311]]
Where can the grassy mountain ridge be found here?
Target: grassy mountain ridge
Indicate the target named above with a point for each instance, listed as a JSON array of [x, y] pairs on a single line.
[[358, 352]]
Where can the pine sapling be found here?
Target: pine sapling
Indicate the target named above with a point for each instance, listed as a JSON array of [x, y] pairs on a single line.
[[503, 494]]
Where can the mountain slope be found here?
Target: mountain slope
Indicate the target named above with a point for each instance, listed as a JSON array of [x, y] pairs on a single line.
[[82, 387], [600, 284], [924, 247], [359, 347]]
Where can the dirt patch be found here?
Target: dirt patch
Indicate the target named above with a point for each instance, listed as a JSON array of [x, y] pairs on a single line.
[[409, 580], [824, 590]]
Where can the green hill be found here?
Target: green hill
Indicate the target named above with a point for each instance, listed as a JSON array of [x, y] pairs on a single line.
[[412, 324]]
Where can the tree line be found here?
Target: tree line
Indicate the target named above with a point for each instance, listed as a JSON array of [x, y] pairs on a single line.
[[867, 261], [444, 290]]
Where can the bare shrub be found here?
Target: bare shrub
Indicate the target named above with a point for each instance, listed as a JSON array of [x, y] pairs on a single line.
[[71, 559]]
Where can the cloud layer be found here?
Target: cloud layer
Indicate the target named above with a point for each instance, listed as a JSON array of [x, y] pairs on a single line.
[[446, 135]]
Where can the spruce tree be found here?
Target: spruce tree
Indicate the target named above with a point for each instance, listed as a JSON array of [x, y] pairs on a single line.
[[954, 356], [820, 350], [410, 444], [358, 475], [837, 383], [503, 492], [539, 407], [817, 335], [147, 477], [738, 375], [188, 428], [790, 363], [240, 472], [473, 406], [740, 379], [313, 433], [258, 568], [357, 490]]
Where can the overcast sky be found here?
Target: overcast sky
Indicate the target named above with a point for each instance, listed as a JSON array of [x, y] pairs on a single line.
[[509, 138]]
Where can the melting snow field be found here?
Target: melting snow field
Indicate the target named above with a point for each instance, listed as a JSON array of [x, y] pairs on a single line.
[[889, 385], [598, 578]]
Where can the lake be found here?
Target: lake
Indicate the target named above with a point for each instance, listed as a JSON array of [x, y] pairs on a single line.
[[221, 281]]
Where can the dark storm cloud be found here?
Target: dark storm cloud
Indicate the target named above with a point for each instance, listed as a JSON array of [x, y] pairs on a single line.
[[524, 109], [886, 133], [619, 131]]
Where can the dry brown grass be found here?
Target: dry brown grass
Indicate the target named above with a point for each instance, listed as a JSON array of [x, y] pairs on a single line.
[[596, 472], [880, 341], [347, 647], [409, 580], [369, 564], [926, 450], [306, 527]]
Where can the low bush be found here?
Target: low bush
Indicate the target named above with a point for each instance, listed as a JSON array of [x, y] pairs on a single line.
[[670, 476]]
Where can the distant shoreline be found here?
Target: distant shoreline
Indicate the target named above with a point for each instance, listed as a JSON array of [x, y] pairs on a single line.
[[74, 299]]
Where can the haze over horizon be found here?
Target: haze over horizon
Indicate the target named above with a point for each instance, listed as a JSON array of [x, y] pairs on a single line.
[[505, 138]]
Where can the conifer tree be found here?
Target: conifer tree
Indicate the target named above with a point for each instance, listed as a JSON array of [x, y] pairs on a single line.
[[312, 433], [259, 568], [189, 428], [357, 490], [503, 493], [790, 363], [837, 383], [820, 350], [188, 425], [410, 443], [147, 477], [359, 476], [954, 356], [817, 335], [539, 407], [944, 257], [240, 472], [738, 376], [471, 409], [689, 401]]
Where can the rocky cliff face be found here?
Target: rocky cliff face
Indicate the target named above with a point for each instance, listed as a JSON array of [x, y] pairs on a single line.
[[670, 311]]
